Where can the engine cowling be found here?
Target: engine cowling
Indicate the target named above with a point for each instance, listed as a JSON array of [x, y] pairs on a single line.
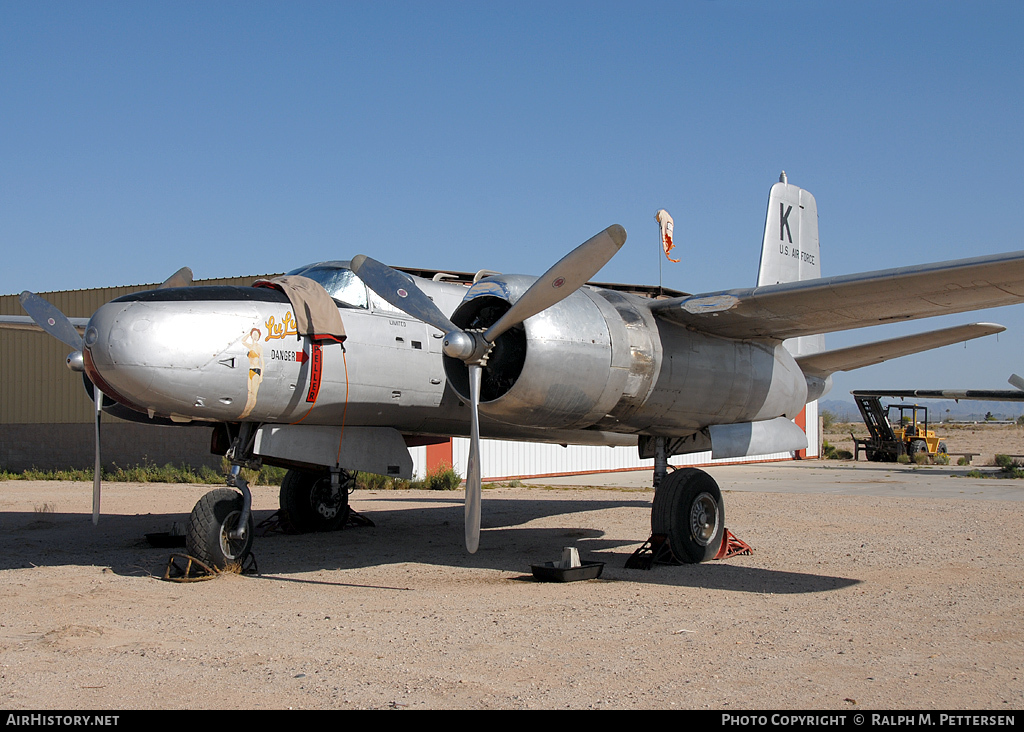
[[555, 370], [601, 359]]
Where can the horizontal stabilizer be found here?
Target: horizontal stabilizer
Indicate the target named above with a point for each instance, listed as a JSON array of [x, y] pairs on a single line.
[[855, 357], [981, 395], [832, 304], [23, 322]]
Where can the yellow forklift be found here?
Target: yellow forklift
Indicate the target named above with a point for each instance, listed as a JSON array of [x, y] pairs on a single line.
[[908, 435]]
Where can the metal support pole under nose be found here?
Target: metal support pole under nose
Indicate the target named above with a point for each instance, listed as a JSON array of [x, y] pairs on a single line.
[[660, 460]]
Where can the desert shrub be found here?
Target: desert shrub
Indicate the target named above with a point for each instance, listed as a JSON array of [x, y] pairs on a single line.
[[903, 459], [1009, 467], [374, 482], [442, 478], [942, 459], [844, 455], [145, 473], [962, 460], [828, 451]]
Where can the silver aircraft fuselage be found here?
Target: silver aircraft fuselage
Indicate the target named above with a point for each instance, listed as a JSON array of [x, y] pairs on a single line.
[[598, 362]]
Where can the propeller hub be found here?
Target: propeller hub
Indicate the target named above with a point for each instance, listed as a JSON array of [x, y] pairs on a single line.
[[459, 344], [76, 362]]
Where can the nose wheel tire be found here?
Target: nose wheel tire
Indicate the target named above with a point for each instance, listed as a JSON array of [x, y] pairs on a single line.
[[688, 508], [213, 519], [309, 502]]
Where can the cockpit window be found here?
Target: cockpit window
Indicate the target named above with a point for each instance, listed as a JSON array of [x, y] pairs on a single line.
[[339, 282]]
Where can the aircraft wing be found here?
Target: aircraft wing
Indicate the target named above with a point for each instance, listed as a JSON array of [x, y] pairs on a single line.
[[982, 395], [957, 394], [831, 304], [23, 322], [846, 359]]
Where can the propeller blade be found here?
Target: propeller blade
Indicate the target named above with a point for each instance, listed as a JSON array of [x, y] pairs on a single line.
[[473, 491], [98, 398], [50, 319], [399, 290], [1017, 382], [567, 275], [181, 278]]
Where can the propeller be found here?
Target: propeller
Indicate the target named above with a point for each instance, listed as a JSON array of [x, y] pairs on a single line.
[[181, 278], [97, 396], [53, 321], [474, 346], [50, 319]]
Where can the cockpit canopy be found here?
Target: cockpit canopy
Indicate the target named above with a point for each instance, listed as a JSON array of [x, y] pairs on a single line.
[[338, 280], [346, 289]]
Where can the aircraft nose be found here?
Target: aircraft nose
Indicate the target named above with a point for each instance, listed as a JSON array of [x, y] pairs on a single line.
[[115, 359], [170, 357]]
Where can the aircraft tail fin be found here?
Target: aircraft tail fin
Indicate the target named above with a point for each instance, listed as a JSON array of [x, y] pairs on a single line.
[[789, 250]]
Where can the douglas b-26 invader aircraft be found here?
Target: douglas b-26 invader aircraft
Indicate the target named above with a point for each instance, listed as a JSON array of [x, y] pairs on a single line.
[[341, 366]]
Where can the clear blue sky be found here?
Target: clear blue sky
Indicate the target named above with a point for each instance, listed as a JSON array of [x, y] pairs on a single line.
[[249, 137]]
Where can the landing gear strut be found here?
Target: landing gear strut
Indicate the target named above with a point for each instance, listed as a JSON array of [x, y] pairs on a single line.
[[688, 509], [213, 534], [220, 528], [315, 501]]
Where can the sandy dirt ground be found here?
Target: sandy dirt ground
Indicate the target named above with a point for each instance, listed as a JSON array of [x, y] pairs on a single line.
[[858, 596]]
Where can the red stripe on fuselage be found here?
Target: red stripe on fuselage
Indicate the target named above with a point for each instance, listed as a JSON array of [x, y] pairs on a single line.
[[315, 368]]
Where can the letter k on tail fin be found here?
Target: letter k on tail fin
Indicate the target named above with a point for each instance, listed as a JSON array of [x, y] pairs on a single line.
[[789, 251]]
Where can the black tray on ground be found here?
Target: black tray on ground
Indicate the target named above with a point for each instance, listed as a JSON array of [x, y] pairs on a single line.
[[164, 540], [548, 572]]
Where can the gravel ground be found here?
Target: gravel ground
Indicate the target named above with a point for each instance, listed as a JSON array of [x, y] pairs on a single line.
[[869, 601]]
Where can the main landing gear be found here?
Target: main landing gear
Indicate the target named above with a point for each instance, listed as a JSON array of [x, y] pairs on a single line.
[[688, 509], [315, 501]]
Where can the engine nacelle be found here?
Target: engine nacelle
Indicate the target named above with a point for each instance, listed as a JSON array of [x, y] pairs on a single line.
[[554, 370], [601, 359]]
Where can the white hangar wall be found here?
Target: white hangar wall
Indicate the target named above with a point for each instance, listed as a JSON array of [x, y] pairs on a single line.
[[504, 460]]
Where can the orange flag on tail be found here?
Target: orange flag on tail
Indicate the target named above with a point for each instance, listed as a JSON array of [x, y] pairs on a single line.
[[665, 221]]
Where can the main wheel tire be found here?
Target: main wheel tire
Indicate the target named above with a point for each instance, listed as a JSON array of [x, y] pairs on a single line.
[[915, 447], [688, 508], [213, 518], [307, 503]]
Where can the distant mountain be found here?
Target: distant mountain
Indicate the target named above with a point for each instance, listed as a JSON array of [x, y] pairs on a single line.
[[843, 411]]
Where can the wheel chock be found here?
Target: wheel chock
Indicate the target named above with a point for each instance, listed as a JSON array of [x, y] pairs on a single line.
[[278, 523], [358, 519], [186, 568], [658, 550], [655, 549], [733, 547], [272, 524]]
